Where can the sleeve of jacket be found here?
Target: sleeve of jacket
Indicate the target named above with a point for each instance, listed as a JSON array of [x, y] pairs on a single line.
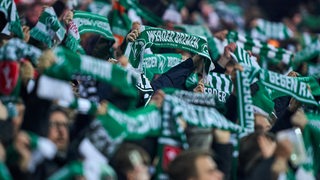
[[175, 77]]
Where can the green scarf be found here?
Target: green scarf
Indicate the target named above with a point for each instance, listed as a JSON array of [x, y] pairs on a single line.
[[142, 11], [261, 48], [4, 172], [153, 64], [287, 85], [191, 97], [8, 7], [134, 124], [69, 171], [92, 23], [48, 29], [69, 63], [161, 38]]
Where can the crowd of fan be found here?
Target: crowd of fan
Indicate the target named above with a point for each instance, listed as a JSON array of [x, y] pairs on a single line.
[[212, 154]]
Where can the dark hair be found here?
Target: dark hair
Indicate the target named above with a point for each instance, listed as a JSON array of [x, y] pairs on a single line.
[[184, 165], [121, 162], [249, 152], [56, 108]]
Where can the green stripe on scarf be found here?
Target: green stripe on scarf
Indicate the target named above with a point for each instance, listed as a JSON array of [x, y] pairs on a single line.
[[153, 64], [48, 29], [92, 23], [161, 38], [69, 63]]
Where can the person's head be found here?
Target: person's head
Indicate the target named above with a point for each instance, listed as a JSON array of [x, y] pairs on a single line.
[[253, 148], [58, 129], [194, 165], [261, 122], [131, 162]]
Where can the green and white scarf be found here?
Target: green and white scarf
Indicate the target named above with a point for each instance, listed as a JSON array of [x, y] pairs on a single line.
[[219, 85], [260, 48], [72, 40], [92, 23], [48, 29], [287, 85], [16, 49], [8, 7], [204, 117], [142, 11], [68, 63], [310, 51], [191, 97], [153, 64], [161, 38], [242, 56], [245, 102], [271, 30]]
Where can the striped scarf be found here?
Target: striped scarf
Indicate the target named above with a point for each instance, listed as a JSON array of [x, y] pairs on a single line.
[[48, 29], [261, 48], [16, 49], [271, 30], [161, 38], [8, 7], [92, 23], [220, 85]]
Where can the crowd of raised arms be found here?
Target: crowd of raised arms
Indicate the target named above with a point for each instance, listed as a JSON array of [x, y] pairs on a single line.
[[159, 89]]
